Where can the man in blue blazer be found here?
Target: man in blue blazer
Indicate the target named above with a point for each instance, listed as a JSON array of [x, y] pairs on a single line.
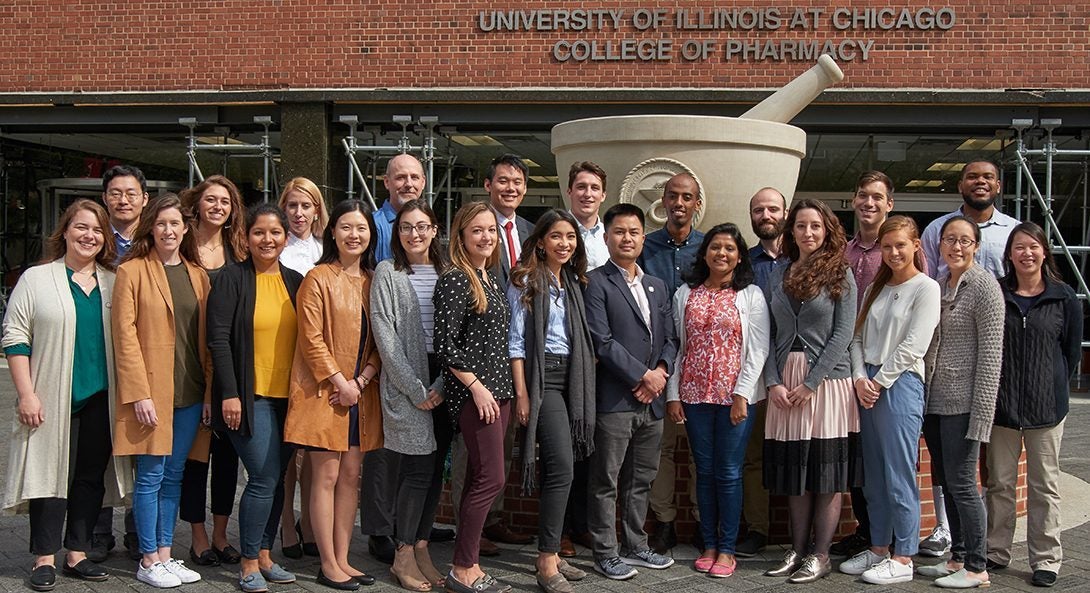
[[631, 324]]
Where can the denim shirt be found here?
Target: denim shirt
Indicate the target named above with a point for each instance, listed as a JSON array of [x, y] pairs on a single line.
[[556, 330], [667, 260]]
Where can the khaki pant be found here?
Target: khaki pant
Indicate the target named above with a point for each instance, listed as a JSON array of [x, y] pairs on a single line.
[[663, 499], [1043, 504], [458, 464]]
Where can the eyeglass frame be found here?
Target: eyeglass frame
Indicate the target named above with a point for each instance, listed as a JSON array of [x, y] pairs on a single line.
[[407, 229]]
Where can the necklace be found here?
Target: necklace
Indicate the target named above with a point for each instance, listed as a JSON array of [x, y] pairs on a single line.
[[211, 248]]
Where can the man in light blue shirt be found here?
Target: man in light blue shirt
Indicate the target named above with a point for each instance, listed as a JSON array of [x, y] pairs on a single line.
[[405, 181], [586, 192]]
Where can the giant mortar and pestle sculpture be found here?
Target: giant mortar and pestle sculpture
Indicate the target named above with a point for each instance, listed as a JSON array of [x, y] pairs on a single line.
[[731, 157]]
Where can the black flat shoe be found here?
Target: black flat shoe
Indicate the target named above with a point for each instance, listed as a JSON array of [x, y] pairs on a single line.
[[441, 534], [294, 551], [1043, 578], [228, 555], [86, 570], [365, 579], [349, 585], [310, 549], [43, 578], [205, 558]]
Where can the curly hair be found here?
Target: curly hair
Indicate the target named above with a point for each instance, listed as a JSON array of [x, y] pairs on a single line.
[[233, 231], [827, 267]]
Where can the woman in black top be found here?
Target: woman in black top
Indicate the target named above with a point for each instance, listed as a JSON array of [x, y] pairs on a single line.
[[1042, 342], [471, 323]]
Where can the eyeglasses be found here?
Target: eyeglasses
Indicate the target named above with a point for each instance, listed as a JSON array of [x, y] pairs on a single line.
[[422, 228], [131, 196], [963, 242]]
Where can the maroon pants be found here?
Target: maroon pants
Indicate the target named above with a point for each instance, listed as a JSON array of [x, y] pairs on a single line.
[[485, 480]]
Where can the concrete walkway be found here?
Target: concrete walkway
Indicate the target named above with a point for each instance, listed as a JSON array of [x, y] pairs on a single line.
[[514, 564]]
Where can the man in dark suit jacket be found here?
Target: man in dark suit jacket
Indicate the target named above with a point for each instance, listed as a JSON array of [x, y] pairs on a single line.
[[631, 324]]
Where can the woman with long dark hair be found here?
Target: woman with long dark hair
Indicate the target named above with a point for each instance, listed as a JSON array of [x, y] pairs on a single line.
[[472, 319], [963, 366], [163, 386], [1042, 342], [812, 428], [57, 322], [252, 329], [552, 362], [723, 330], [415, 423], [216, 207], [892, 334], [333, 409]]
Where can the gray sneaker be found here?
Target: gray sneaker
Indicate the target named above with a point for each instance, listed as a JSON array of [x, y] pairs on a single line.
[[648, 559], [937, 544], [614, 568]]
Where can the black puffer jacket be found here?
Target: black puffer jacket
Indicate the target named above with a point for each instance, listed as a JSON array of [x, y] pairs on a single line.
[[1040, 354]]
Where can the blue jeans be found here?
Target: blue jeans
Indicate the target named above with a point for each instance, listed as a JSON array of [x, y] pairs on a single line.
[[265, 456], [890, 433], [718, 448], [158, 486]]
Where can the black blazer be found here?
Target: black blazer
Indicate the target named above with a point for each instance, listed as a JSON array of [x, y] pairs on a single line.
[[625, 348], [231, 336], [525, 228]]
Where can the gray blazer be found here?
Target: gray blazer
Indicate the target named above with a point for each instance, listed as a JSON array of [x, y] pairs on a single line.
[[399, 336], [823, 326]]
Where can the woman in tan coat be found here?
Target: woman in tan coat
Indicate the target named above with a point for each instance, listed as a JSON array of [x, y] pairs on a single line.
[[158, 326], [333, 408]]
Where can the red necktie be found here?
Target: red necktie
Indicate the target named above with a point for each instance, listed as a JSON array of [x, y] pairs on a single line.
[[507, 226]]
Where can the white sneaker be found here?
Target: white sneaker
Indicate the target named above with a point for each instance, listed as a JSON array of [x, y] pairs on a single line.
[[156, 575], [888, 572], [862, 561], [937, 544], [178, 569]]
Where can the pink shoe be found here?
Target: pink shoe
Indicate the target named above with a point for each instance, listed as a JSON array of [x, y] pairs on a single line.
[[721, 571], [703, 564]]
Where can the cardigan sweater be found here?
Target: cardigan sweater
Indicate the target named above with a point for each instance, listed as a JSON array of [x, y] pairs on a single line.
[[41, 312], [404, 383], [230, 337], [897, 331], [753, 314], [964, 359], [824, 327]]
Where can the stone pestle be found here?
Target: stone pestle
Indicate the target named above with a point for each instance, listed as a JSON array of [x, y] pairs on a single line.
[[783, 105]]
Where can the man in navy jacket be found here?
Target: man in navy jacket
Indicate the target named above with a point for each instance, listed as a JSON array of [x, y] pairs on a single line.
[[631, 324]]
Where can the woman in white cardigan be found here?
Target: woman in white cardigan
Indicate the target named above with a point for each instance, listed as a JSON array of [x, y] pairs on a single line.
[[58, 317], [723, 330]]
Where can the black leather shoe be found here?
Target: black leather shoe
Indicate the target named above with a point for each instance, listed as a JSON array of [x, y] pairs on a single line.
[[101, 545], [349, 585], [228, 555], [440, 535], [993, 565], [381, 547], [1043, 578], [43, 578], [750, 545], [294, 551], [663, 537], [205, 558], [365, 579], [86, 570]]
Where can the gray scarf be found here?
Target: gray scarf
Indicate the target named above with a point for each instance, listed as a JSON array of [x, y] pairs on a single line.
[[580, 382]]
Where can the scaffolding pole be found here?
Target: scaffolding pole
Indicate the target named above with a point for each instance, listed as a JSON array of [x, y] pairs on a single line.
[[264, 151]]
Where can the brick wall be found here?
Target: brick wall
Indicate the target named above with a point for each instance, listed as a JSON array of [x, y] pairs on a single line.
[[96, 46]]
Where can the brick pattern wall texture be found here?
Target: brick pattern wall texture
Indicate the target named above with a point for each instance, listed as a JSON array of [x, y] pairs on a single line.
[[168, 45]]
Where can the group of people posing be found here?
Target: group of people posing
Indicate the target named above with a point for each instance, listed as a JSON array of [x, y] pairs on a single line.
[[318, 348]]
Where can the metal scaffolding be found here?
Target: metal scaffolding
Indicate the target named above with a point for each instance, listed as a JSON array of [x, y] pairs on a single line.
[[264, 151]]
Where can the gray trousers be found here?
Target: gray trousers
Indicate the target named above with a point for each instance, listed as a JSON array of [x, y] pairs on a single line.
[[626, 454]]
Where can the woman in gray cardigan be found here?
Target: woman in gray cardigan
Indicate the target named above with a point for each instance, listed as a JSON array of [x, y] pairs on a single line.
[[401, 319], [962, 366], [811, 451]]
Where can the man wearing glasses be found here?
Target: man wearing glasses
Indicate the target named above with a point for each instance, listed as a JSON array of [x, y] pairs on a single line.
[[979, 187], [125, 193]]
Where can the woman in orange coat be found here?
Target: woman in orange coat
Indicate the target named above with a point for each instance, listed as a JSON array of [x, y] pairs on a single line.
[[162, 380], [333, 408]]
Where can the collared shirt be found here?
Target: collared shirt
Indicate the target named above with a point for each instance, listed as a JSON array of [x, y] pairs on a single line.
[[123, 244], [594, 241], [516, 241], [556, 327], [667, 260], [763, 264], [993, 241], [384, 231], [865, 261], [635, 284], [301, 254]]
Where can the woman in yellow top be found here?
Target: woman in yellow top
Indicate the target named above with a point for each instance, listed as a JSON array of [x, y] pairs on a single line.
[[335, 361], [252, 334]]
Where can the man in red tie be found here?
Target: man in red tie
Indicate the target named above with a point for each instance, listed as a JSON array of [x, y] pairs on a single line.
[[506, 187]]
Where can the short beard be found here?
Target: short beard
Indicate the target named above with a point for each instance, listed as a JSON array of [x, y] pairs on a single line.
[[777, 230], [978, 205]]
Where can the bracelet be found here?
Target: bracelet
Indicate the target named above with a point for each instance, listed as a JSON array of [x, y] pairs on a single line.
[[475, 379], [358, 385]]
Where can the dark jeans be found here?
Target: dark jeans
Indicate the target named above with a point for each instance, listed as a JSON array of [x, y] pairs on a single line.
[[413, 479], [626, 455], [575, 519], [265, 456], [378, 492], [718, 447], [554, 436], [444, 435], [223, 462], [485, 479], [89, 451], [954, 467]]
